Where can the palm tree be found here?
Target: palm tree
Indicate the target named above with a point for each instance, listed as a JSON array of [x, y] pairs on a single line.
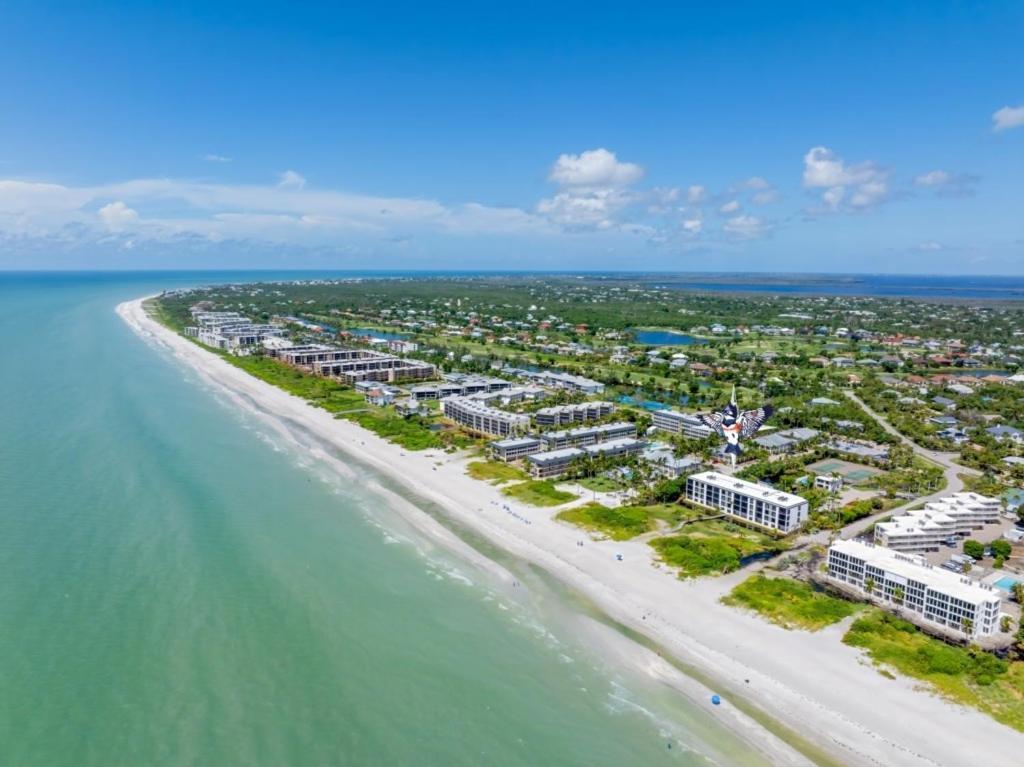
[[897, 595], [869, 585], [968, 626]]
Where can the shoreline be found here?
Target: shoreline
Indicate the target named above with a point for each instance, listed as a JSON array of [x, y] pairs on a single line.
[[812, 685]]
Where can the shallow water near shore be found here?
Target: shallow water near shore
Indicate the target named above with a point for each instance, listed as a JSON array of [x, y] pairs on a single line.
[[178, 585]]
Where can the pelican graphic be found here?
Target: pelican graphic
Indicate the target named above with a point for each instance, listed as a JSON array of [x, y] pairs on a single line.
[[734, 425]]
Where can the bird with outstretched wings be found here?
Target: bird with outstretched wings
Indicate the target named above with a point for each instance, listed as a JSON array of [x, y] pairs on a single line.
[[734, 424]]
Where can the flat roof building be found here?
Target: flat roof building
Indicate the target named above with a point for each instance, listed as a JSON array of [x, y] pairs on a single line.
[[755, 504], [925, 594], [480, 418], [675, 422], [561, 415], [514, 448], [587, 435], [927, 528]]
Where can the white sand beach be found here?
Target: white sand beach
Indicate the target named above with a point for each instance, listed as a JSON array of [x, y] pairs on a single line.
[[812, 683]]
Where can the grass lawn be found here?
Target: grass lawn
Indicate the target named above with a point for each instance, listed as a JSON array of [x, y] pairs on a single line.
[[713, 547], [619, 524], [789, 603], [538, 492], [494, 471], [968, 676]]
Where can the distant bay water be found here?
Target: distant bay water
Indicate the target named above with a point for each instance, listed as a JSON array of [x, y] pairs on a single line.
[[179, 588]]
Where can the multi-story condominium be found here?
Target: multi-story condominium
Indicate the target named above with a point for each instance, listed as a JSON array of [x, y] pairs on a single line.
[[923, 593], [376, 366], [664, 462], [481, 418], [587, 435], [560, 380], [460, 388], [554, 463], [927, 528], [230, 331], [561, 415], [756, 504], [514, 448], [674, 422]]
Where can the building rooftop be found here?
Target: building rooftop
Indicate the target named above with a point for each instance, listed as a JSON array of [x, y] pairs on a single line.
[[749, 488], [914, 568]]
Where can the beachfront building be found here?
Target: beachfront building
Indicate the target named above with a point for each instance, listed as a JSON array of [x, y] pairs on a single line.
[[756, 504], [478, 417], [514, 448], [230, 331], [587, 435], [921, 592], [928, 528], [554, 463], [783, 442], [675, 422], [561, 415]]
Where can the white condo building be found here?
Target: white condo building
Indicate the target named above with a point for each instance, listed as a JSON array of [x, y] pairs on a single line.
[[487, 420], [674, 422], [756, 504], [926, 529], [923, 593], [561, 415]]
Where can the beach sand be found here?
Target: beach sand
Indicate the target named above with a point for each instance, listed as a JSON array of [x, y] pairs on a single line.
[[812, 684]]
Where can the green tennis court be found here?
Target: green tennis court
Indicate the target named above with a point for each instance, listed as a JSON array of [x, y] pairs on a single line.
[[853, 473]]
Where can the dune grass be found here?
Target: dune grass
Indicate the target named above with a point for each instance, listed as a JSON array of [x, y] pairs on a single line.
[[619, 524], [712, 548], [968, 676], [538, 492], [790, 604], [494, 472]]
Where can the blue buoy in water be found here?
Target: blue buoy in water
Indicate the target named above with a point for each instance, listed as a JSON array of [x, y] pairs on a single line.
[[716, 700]]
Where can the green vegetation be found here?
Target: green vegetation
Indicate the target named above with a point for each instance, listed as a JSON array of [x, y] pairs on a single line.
[[619, 524], [968, 676], [712, 547], [789, 603], [600, 484], [974, 549], [538, 493], [494, 472]]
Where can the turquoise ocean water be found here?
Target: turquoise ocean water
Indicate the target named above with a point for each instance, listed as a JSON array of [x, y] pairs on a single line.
[[176, 588]]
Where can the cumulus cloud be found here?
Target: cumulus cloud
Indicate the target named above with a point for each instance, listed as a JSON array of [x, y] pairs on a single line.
[[730, 207], [594, 191], [594, 168], [291, 180], [117, 216], [744, 227], [1008, 117], [696, 194], [216, 158], [844, 186], [946, 184]]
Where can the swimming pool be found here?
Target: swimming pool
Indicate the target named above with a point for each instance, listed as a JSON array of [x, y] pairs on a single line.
[[1006, 583]]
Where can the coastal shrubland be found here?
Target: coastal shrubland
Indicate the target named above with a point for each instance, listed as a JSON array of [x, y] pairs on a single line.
[[494, 472], [712, 548], [790, 603], [969, 676], [619, 524], [538, 492]]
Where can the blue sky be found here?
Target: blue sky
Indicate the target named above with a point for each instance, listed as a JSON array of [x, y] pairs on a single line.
[[763, 136]]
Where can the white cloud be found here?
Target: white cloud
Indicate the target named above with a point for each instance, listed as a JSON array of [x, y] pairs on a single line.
[[846, 187], [766, 197], [291, 180], [692, 225], [1008, 117], [594, 168], [117, 216], [730, 207], [930, 246], [696, 194], [745, 228], [946, 184], [216, 158]]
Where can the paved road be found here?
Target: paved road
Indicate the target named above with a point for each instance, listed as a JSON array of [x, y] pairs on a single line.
[[950, 469]]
